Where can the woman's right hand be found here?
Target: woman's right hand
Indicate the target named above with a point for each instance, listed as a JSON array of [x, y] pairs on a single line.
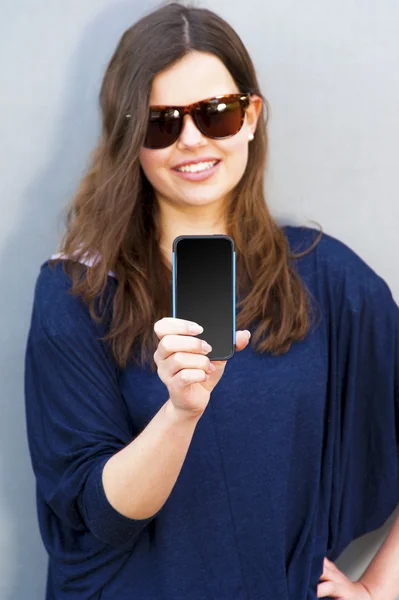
[[184, 367]]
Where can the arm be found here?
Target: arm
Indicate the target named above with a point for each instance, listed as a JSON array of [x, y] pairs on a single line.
[[381, 578], [138, 479], [88, 469], [78, 422]]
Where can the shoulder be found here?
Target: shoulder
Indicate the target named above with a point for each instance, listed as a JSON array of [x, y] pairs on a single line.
[[334, 255], [56, 311], [336, 265]]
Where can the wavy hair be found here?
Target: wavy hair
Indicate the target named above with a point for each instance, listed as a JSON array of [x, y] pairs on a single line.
[[114, 213]]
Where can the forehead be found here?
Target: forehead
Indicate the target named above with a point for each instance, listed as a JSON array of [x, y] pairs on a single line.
[[195, 77]]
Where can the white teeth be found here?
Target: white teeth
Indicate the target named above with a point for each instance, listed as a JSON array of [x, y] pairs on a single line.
[[194, 168]]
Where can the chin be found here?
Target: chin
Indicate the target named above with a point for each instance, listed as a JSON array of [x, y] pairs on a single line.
[[203, 195], [197, 200]]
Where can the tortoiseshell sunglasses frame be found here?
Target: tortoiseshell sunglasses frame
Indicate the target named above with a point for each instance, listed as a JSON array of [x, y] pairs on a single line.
[[189, 109]]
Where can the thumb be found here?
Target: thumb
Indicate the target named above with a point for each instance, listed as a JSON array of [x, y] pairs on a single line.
[[242, 339]]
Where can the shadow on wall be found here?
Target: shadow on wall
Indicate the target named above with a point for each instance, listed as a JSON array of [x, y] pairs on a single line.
[[355, 558], [33, 239]]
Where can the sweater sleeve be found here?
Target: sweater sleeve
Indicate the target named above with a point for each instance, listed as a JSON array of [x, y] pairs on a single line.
[[364, 415], [76, 416]]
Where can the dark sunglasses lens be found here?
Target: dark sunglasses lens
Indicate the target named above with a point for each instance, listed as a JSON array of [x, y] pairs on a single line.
[[163, 129], [219, 118]]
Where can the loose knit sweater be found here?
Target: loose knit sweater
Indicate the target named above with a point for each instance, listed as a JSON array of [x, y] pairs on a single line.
[[295, 456]]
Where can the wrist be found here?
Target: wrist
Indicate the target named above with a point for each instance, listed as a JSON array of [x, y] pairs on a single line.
[[180, 416]]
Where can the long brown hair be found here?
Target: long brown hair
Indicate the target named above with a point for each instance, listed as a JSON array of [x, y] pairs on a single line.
[[114, 213]]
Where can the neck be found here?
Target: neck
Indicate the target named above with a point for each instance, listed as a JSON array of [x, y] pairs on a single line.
[[184, 218]]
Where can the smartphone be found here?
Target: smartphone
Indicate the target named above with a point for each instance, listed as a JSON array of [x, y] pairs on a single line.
[[204, 289]]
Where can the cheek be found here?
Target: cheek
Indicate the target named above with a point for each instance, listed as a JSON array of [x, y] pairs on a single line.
[[236, 151], [153, 162]]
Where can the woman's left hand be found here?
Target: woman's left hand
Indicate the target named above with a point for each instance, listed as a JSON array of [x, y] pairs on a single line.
[[337, 585]]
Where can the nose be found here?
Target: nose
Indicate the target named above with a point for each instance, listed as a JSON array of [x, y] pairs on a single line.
[[190, 135]]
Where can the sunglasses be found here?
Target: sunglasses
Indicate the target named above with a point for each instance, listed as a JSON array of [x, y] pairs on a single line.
[[216, 118]]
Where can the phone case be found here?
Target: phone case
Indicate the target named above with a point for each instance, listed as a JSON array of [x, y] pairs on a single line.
[[212, 300]]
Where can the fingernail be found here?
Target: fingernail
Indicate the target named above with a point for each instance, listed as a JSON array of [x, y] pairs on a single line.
[[248, 333], [212, 367], [206, 347], [195, 328]]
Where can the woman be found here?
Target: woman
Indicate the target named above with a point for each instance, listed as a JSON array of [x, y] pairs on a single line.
[[161, 475]]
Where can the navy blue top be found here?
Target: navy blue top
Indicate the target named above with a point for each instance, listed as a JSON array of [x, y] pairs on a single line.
[[294, 457]]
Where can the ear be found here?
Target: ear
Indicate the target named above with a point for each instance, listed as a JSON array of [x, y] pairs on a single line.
[[253, 111]]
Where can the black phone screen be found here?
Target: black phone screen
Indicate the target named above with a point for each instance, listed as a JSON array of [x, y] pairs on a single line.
[[204, 289]]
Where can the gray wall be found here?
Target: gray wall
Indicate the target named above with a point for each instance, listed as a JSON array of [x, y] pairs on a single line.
[[330, 72]]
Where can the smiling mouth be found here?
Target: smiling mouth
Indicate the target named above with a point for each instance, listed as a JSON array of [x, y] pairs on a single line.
[[197, 167]]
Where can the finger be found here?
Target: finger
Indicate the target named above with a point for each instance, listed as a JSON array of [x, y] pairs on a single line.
[[326, 568], [183, 360], [242, 340], [171, 344], [188, 344], [334, 571], [332, 566], [189, 376], [328, 562], [181, 343], [331, 575], [327, 589], [334, 589], [169, 325]]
